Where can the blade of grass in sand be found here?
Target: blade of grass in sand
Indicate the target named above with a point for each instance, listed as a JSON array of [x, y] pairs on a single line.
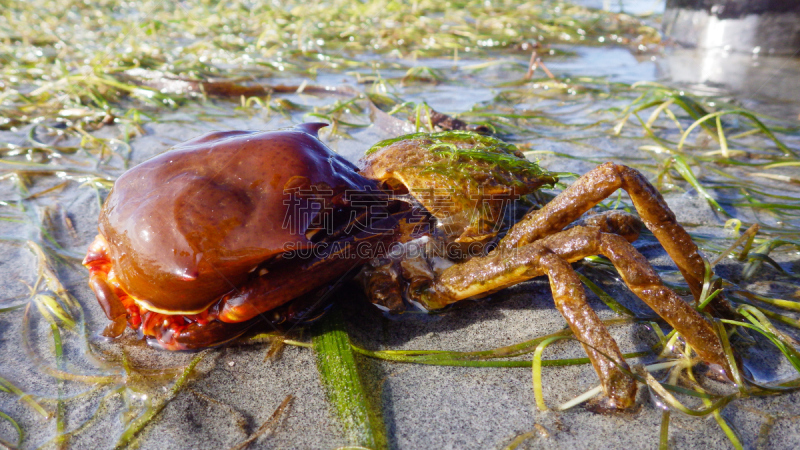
[[355, 407]]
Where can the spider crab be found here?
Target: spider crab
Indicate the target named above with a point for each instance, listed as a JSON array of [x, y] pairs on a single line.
[[198, 243]]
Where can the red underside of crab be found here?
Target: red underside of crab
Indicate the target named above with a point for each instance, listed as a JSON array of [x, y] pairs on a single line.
[[157, 327]]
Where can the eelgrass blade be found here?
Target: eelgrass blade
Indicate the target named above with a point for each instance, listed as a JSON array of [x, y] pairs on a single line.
[[610, 301], [702, 119], [9, 387], [470, 363], [730, 433], [686, 172], [138, 424], [478, 358], [723, 424], [434, 357], [747, 238], [663, 435], [723, 142], [60, 406], [694, 110], [731, 358], [710, 287], [536, 371], [357, 410], [12, 308], [519, 439], [791, 321], [54, 372], [101, 408], [777, 302], [20, 433], [760, 253], [588, 395], [51, 309], [788, 351], [757, 316], [673, 402]]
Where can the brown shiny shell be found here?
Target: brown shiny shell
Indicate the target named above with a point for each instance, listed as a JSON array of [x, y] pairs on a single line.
[[188, 226]]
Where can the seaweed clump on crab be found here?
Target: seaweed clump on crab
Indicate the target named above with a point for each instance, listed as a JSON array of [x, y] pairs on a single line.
[[203, 241]]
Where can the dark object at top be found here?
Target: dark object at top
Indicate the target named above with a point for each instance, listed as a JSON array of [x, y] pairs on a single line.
[[769, 27], [734, 9]]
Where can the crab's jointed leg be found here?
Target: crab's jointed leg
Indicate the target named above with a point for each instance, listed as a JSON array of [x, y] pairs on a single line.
[[536, 246], [598, 185], [498, 270], [98, 263], [570, 299]]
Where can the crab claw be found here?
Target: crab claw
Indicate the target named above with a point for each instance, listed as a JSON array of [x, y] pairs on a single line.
[[97, 262]]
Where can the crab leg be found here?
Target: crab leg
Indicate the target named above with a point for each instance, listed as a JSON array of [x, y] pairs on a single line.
[[98, 263], [570, 299], [281, 285], [288, 280], [597, 185], [501, 269]]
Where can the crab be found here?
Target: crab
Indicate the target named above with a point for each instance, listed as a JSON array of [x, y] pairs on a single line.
[[198, 244]]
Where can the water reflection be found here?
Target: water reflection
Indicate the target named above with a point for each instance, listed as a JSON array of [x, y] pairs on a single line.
[[770, 84], [761, 79], [770, 28]]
